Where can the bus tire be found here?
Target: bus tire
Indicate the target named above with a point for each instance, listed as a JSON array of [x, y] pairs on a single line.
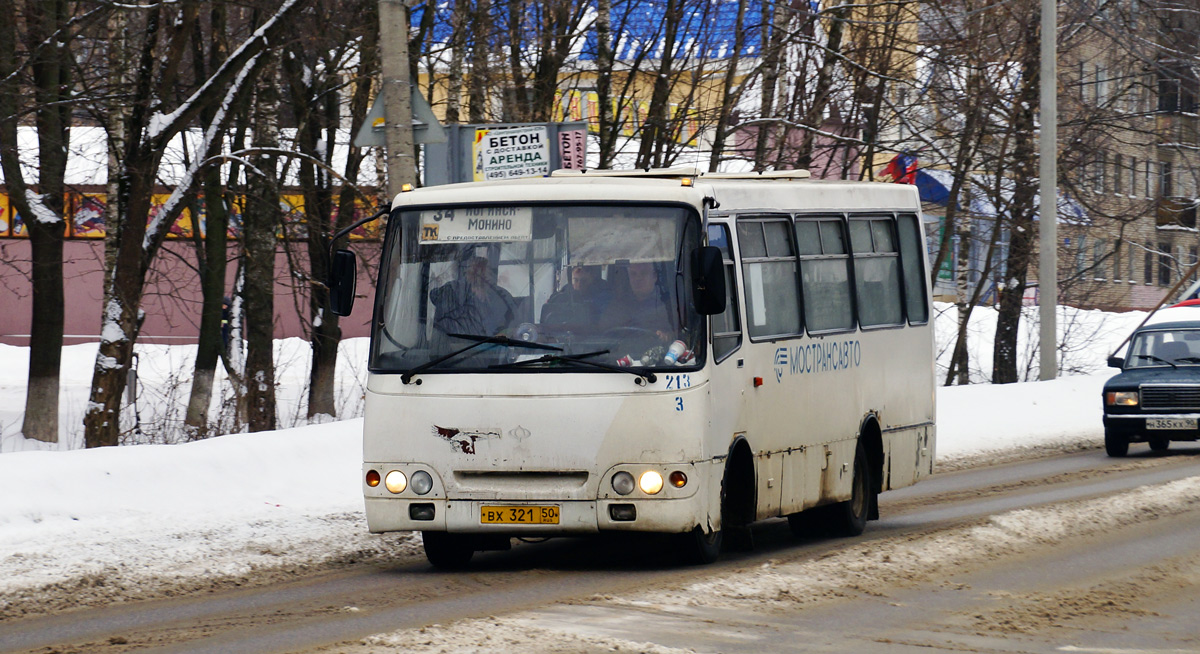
[[1115, 445], [849, 518], [447, 551], [700, 547], [1160, 444], [807, 523]]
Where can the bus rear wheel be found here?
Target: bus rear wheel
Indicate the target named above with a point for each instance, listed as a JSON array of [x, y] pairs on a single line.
[[1160, 444], [849, 518], [447, 551]]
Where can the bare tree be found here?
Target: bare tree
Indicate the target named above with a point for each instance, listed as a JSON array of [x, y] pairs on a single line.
[[148, 128], [262, 220], [48, 40], [314, 73], [212, 252]]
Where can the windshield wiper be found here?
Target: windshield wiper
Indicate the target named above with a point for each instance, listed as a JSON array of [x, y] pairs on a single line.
[[550, 358], [580, 359], [1158, 359], [479, 340]]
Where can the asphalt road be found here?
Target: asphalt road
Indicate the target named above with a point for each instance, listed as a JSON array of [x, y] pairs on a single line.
[[1132, 588]]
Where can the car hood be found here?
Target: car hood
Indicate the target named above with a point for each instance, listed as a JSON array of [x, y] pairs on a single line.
[[1184, 374]]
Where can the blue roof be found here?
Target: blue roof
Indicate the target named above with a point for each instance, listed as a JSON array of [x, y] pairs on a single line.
[[708, 28]]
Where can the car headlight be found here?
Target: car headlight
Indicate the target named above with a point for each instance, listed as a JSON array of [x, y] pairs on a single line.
[[1121, 398], [651, 482], [395, 481], [421, 482], [622, 482]]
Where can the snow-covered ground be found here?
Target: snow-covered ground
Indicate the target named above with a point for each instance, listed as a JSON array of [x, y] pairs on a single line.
[[185, 515]]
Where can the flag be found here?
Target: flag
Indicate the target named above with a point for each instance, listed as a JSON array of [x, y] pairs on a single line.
[[902, 170]]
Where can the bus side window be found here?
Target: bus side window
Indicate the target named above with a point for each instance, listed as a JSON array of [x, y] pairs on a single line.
[[769, 275], [726, 328], [824, 274], [876, 271], [912, 260]]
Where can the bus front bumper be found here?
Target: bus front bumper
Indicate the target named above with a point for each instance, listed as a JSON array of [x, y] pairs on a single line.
[[661, 515]]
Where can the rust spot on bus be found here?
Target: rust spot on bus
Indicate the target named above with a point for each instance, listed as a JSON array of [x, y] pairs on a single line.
[[464, 440]]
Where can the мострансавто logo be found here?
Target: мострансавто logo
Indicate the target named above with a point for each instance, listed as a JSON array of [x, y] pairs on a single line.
[[823, 356]]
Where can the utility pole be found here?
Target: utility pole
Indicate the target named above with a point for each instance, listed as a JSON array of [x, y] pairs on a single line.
[[397, 95], [1048, 213]]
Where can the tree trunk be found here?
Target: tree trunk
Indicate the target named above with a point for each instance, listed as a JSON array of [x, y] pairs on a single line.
[[261, 219], [728, 97], [234, 356], [326, 329], [772, 45], [824, 85], [121, 320], [559, 28], [50, 66], [46, 328], [325, 334], [212, 271], [608, 128], [655, 132], [1021, 232], [516, 100], [457, 45], [477, 83]]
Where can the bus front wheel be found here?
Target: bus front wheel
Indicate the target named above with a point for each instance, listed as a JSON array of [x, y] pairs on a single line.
[[701, 547], [447, 551], [849, 518]]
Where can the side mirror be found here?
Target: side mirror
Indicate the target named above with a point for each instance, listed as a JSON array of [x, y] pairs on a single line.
[[1116, 362], [708, 280], [343, 275]]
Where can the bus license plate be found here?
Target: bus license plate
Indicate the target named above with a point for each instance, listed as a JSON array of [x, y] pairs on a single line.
[[518, 515], [1170, 423]]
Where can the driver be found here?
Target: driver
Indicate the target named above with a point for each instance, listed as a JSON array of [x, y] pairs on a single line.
[[473, 303]]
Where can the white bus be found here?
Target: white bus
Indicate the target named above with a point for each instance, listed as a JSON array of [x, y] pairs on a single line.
[[658, 351]]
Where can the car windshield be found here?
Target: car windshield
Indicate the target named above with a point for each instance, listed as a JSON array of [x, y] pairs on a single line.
[[1164, 347], [489, 287]]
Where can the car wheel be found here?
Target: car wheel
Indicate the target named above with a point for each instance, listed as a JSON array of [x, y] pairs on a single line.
[[849, 518], [447, 551], [1115, 445], [1160, 444]]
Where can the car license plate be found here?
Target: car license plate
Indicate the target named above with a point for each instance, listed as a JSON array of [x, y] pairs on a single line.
[[518, 515], [1170, 423]]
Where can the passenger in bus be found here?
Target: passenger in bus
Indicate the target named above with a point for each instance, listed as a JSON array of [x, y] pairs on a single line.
[[474, 303], [581, 301], [640, 301]]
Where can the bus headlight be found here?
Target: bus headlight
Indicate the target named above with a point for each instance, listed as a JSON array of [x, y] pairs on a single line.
[[395, 481], [421, 482], [622, 482], [678, 479], [373, 478], [1121, 398], [651, 482]]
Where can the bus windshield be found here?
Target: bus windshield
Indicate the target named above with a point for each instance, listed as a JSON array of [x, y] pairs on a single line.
[[536, 288]]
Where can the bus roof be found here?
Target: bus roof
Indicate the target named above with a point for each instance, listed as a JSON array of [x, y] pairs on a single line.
[[728, 192]]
